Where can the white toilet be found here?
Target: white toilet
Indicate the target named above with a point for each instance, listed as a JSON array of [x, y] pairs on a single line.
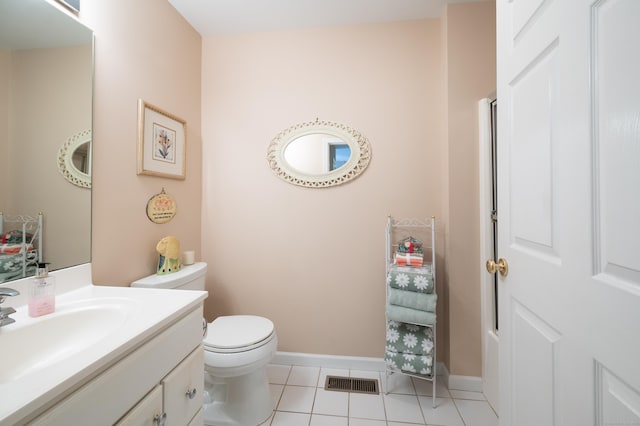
[[237, 349]]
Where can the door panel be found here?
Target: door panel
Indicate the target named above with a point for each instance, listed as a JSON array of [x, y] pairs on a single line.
[[534, 363], [531, 159], [618, 403], [523, 13], [616, 112], [569, 179]]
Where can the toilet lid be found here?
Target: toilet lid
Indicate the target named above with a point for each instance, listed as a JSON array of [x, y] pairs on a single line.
[[237, 331]]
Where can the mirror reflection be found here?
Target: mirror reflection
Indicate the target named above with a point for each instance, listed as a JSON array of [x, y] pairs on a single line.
[[46, 69], [317, 153], [80, 158]]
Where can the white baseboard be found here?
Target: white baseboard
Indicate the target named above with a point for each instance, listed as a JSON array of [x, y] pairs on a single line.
[[337, 361], [329, 361], [465, 383], [456, 382]]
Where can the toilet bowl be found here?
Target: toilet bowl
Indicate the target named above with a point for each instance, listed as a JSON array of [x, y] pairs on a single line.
[[237, 349]]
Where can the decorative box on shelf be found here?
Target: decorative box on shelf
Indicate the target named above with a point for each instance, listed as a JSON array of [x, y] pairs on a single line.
[[409, 252], [410, 245]]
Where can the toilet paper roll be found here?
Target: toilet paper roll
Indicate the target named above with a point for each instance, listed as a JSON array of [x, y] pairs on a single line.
[[188, 257]]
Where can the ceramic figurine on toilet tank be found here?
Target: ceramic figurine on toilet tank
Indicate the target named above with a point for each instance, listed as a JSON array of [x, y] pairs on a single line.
[[169, 249]]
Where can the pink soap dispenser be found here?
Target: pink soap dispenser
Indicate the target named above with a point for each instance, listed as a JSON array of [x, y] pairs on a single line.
[[42, 297]]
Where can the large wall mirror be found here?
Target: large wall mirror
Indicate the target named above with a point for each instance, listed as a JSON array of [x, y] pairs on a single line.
[[46, 81], [319, 154]]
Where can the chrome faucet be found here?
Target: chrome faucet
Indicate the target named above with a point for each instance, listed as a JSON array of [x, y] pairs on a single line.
[[5, 312]]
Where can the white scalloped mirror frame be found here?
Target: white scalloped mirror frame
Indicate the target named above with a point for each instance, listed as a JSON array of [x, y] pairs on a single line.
[[65, 159], [357, 163]]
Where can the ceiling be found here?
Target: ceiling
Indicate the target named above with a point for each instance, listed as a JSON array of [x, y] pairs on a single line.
[[212, 17]]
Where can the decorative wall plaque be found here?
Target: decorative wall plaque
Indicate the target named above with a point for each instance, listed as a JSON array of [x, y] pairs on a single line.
[[161, 208]]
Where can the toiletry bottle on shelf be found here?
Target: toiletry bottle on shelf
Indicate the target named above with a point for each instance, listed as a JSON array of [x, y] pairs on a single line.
[[42, 298]]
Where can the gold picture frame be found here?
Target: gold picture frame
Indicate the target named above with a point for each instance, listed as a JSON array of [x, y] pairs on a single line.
[[161, 142]]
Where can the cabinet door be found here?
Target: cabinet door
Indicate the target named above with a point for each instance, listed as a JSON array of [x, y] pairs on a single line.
[[183, 389], [147, 412], [198, 419]]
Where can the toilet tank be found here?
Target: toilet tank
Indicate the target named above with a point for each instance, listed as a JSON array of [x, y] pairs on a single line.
[[189, 277]]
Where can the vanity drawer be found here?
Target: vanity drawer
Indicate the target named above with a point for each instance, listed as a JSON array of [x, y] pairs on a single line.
[[183, 389], [145, 411]]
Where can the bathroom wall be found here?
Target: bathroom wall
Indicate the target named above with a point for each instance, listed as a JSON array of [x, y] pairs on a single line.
[[312, 260], [471, 75], [143, 49]]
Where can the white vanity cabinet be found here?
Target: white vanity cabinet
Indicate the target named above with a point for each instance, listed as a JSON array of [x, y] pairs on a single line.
[[164, 375], [176, 400]]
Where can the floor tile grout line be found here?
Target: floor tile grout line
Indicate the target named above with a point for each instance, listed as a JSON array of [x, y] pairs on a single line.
[[273, 412], [415, 390], [384, 408], [315, 395], [458, 410], [313, 403], [492, 409]]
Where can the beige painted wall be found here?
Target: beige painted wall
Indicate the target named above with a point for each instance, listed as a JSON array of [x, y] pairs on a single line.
[[312, 260], [443, 276], [143, 49], [471, 75]]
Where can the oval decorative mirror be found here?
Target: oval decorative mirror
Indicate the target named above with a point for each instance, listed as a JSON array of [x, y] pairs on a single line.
[[74, 159], [319, 154]]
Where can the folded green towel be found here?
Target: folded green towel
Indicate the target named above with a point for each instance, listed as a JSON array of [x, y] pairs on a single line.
[[410, 278], [402, 314], [409, 338], [413, 300], [410, 363]]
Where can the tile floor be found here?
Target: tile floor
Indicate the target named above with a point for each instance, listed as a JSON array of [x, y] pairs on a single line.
[[299, 399]]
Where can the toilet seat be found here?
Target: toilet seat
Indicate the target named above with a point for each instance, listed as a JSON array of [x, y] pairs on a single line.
[[237, 333]]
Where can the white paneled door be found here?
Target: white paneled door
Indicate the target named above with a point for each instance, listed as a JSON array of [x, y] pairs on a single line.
[[569, 217], [487, 109]]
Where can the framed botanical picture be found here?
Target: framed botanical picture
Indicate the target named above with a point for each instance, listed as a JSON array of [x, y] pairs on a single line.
[[161, 142]]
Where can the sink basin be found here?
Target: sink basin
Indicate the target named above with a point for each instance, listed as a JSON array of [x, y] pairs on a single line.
[[44, 359], [33, 344]]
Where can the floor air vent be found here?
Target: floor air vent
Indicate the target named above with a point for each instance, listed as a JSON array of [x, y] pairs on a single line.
[[351, 384]]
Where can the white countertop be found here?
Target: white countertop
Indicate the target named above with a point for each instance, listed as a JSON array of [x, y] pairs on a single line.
[[140, 314]]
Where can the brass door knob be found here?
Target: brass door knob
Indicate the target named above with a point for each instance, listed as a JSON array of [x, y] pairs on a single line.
[[502, 266]]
